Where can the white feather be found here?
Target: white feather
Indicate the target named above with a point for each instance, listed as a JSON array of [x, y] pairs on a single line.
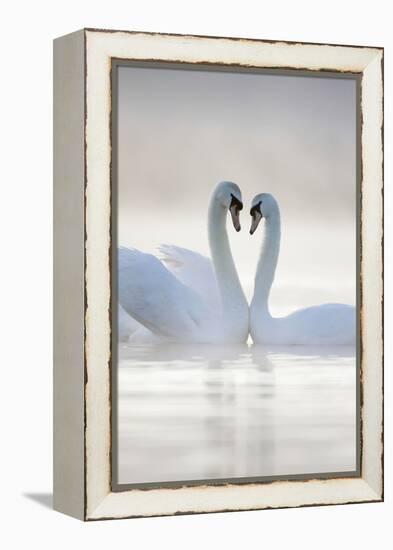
[[193, 270]]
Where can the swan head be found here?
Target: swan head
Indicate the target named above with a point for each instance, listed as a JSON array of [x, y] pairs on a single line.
[[262, 206], [228, 194]]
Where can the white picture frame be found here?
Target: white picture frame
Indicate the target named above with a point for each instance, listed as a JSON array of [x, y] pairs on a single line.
[[82, 334]]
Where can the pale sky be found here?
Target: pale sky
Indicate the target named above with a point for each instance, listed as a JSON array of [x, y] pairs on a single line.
[[182, 131]]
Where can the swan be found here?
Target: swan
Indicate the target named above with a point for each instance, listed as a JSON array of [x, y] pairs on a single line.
[[177, 304], [327, 324]]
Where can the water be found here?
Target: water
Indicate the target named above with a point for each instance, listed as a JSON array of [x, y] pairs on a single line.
[[206, 412]]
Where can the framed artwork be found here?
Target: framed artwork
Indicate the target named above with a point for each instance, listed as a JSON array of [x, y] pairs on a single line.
[[218, 274]]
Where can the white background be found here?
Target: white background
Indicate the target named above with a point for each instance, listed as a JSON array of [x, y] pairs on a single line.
[[26, 202]]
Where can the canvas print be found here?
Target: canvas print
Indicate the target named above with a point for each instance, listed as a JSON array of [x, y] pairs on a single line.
[[235, 319]]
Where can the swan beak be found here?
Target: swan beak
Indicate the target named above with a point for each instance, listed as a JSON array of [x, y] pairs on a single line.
[[256, 218], [234, 210]]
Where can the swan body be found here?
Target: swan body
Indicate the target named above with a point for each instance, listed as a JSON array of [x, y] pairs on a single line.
[[327, 324], [177, 303]]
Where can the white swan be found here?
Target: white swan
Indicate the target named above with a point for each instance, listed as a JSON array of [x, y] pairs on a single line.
[[180, 305], [327, 324]]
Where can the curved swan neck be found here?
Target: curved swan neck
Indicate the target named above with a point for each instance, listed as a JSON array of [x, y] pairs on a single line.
[[226, 274], [267, 262]]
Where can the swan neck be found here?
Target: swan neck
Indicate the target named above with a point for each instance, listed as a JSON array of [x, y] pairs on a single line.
[[224, 267], [267, 263]]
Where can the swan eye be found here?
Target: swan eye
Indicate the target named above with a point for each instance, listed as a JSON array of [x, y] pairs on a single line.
[[256, 208], [236, 203]]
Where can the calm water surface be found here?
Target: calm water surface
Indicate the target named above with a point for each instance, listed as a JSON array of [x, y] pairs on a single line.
[[206, 412]]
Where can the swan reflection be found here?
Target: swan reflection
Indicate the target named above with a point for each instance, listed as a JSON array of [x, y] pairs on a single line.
[[189, 412]]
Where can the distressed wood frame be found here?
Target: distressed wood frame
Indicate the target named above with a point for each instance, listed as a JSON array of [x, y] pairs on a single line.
[[82, 292]]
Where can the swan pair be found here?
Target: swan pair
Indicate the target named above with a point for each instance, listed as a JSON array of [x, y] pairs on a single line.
[[187, 298]]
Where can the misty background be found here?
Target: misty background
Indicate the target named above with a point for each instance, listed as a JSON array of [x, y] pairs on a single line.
[[182, 131]]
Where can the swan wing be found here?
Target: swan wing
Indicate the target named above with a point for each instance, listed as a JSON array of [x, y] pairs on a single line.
[[126, 325], [129, 330], [194, 270], [157, 299]]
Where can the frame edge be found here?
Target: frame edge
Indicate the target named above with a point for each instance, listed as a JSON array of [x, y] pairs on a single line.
[[68, 293]]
